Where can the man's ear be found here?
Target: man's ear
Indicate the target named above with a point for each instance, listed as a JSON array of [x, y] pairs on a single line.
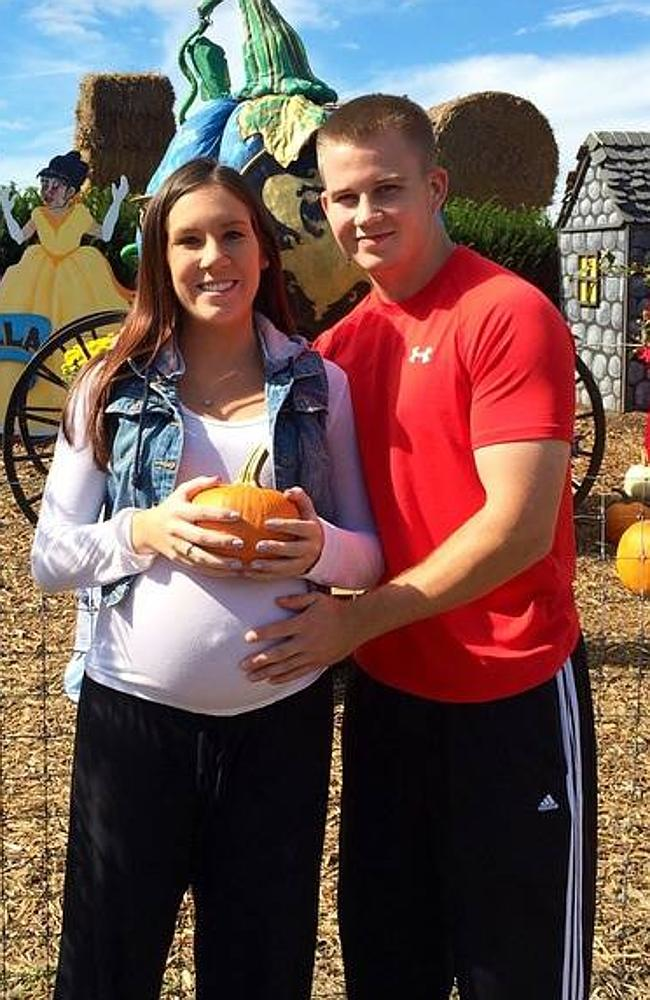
[[439, 181], [324, 201]]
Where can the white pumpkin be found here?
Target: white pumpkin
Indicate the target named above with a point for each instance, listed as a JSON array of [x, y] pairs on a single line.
[[637, 482]]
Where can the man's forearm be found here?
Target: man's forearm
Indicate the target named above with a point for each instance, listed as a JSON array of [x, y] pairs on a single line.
[[513, 529], [478, 557]]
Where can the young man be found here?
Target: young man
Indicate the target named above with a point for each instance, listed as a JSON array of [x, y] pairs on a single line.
[[468, 814]]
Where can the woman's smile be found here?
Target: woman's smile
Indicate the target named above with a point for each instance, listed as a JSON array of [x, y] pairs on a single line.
[[217, 287]]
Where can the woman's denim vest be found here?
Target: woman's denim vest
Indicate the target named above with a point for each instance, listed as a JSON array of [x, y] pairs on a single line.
[[147, 429], [147, 434], [148, 440]]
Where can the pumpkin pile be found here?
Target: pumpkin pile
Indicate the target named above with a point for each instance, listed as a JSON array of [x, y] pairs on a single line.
[[627, 525], [254, 503]]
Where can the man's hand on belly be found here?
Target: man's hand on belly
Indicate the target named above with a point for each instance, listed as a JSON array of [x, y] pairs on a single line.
[[321, 632]]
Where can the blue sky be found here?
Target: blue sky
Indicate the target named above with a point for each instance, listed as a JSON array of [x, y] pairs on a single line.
[[586, 66]]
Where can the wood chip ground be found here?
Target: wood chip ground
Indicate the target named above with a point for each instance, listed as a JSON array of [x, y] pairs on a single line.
[[37, 725]]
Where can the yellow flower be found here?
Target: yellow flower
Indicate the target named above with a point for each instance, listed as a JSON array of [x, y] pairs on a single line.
[[75, 358]]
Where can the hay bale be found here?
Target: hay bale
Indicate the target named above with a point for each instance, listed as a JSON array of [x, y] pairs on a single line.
[[125, 122], [496, 145]]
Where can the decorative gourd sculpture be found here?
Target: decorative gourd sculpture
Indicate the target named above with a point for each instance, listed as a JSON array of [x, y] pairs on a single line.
[[266, 131]]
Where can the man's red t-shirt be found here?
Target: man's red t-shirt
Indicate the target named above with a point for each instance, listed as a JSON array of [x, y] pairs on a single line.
[[477, 357]]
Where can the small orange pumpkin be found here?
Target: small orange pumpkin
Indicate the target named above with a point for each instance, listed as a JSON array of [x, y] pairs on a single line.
[[254, 503], [633, 558], [620, 514]]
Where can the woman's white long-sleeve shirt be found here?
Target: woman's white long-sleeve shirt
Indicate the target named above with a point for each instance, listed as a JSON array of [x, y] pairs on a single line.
[[178, 637]]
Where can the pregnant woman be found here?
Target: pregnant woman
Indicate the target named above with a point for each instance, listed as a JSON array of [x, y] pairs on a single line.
[[186, 772]]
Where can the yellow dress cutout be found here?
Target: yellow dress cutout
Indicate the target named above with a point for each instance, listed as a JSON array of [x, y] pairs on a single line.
[[57, 277], [60, 279]]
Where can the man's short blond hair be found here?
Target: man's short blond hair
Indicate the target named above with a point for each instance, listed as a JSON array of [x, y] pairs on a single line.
[[366, 117]]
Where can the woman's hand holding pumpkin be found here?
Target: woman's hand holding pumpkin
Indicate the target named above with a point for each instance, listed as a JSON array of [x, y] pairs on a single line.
[[170, 529], [297, 555]]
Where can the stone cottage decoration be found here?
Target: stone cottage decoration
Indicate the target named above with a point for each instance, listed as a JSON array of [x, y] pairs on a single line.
[[604, 234]]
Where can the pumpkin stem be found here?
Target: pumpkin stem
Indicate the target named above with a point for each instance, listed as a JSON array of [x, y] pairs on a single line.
[[250, 472]]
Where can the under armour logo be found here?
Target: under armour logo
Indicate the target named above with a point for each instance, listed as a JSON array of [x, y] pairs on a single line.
[[421, 354]]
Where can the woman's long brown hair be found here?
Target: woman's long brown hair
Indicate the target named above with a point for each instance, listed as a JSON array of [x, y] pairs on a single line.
[[156, 314]]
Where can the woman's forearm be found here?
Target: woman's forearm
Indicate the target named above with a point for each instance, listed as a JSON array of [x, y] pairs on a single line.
[[72, 548], [68, 556], [349, 559], [351, 556]]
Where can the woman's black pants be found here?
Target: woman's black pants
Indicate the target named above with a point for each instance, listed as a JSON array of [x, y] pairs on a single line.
[[232, 807]]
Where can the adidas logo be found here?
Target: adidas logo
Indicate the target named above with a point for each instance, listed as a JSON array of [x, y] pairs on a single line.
[[548, 804]]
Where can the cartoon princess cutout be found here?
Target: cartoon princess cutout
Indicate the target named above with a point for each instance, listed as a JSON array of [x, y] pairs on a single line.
[[58, 278]]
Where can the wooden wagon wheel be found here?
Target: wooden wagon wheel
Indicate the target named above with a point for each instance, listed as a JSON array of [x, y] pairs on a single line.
[[588, 445], [30, 427]]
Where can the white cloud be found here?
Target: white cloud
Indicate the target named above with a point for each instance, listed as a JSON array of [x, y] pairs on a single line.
[[572, 17], [577, 94], [308, 13], [86, 21], [76, 21], [14, 125], [316, 14], [20, 169], [35, 64], [577, 14], [56, 139], [35, 152]]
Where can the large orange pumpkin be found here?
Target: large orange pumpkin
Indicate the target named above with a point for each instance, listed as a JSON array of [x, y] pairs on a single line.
[[633, 558], [620, 514], [255, 503]]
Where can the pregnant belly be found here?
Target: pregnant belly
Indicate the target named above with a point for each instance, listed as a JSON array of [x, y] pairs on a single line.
[[179, 639]]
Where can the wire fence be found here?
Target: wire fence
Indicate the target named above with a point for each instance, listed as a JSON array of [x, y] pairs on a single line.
[[37, 724]]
